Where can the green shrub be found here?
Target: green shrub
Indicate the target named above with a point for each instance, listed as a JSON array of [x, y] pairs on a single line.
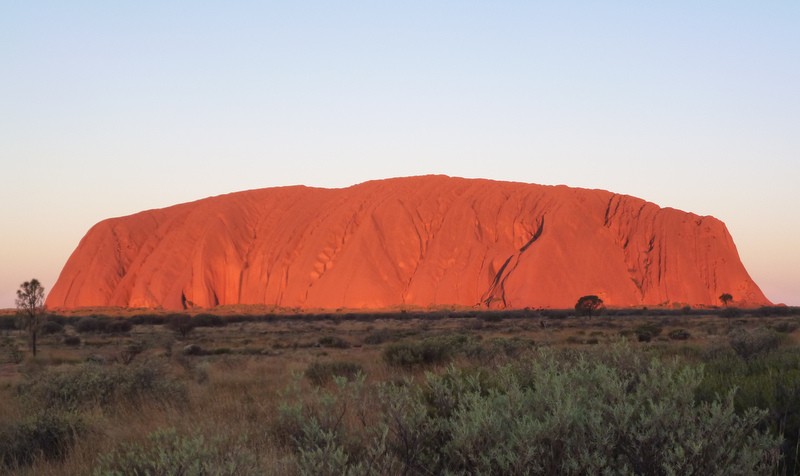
[[45, 435], [769, 381], [498, 348], [167, 453], [91, 385], [429, 351], [602, 412], [748, 344], [320, 373]]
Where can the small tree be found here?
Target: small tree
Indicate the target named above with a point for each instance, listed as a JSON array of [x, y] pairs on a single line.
[[586, 305], [181, 324], [725, 298], [30, 310]]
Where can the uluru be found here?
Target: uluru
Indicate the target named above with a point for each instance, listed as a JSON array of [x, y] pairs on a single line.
[[415, 242]]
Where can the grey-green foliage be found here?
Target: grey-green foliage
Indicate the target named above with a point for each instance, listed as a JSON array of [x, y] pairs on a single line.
[[320, 373], [167, 453], [90, 385], [428, 351], [599, 413], [749, 344], [331, 433], [770, 381]]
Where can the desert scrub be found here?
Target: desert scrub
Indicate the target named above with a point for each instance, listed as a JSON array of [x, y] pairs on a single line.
[[91, 385], [320, 373], [749, 344], [498, 348], [679, 334], [334, 342], [769, 381], [384, 335], [46, 435], [428, 351], [165, 452], [646, 332], [578, 412], [103, 325]]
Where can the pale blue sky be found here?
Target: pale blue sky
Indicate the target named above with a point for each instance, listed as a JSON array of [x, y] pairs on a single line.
[[108, 108]]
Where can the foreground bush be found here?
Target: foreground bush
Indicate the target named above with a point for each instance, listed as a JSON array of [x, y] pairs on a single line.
[[580, 413], [765, 380], [46, 435], [168, 453]]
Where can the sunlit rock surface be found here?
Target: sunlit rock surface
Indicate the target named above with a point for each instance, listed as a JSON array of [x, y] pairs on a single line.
[[416, 242]]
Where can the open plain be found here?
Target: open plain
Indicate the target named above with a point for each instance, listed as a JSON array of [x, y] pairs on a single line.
[[289, 393]]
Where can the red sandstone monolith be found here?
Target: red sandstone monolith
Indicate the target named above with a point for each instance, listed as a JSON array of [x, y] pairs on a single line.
[[416, 242]]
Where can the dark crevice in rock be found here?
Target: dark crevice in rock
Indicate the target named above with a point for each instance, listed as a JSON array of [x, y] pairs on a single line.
[[497, 291]]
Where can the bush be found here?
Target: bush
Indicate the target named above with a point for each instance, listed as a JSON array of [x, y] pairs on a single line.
[[432, 350], [748, 344], [72, 341], [587, 305], [181, 324], [320, 373], [9, 351], [679, 334], [784, 327], [208, 320], [8, 323], [498, 348], [770, 381], [45, 435], [117, 326], [333, 341], [89, 324], [193, 349], [730, 312], [51, 327], [571, 414], [166, 452], [147, 319], [91, 385], [383, 335]]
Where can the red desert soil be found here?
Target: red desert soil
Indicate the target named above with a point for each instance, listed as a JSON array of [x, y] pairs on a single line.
[[417, 242]]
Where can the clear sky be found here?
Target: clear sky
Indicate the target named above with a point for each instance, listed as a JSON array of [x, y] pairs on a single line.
[[109, 108]]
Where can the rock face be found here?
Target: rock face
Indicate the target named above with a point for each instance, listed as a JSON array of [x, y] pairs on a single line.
[[417, 242]]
